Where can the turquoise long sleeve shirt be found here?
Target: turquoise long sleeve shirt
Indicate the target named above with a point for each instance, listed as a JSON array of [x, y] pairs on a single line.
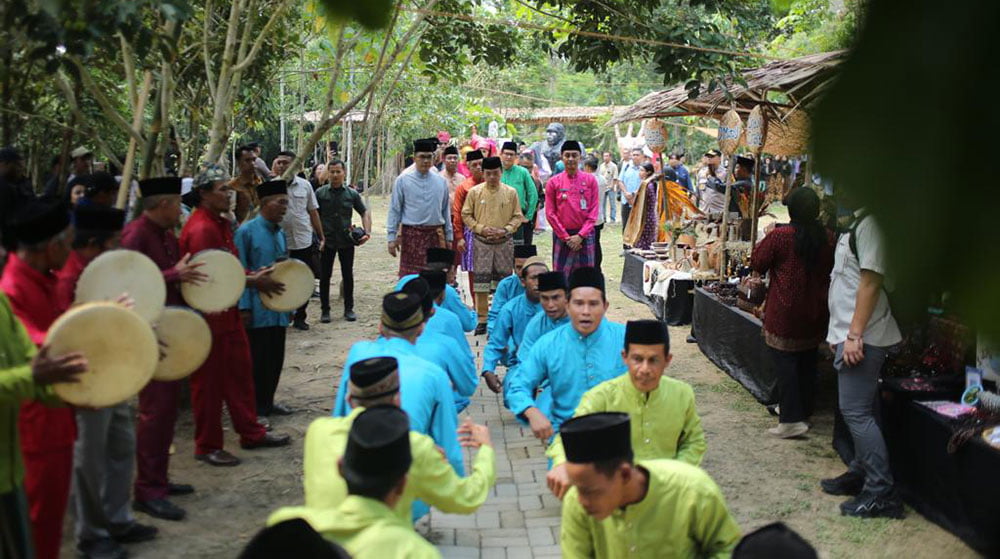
[[508, 331], [260, 243], [538, 326], [452, 302], [445, 322], [461, 368], [508, 288], [425, 390], [572, 364]]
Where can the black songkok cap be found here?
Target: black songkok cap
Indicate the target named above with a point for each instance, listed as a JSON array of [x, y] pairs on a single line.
[[436, 280], [597, 437], [473, 155], [98, 218], [271, 188], [713, 153], [745, 161], [586, 277], [419, 287], [451, 150], [774, 540], [292, 538], [550, 281], [401, 310], [571, 145], [374, 378], [438, 255], [378, 446], [491, 163], [425, 145], [160, 185], [525, 251], [646, 332], [39, 221], [509, 146]]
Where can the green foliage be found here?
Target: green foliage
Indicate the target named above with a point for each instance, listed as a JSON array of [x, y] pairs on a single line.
[[450, 46], [811, 26], [371, 14]]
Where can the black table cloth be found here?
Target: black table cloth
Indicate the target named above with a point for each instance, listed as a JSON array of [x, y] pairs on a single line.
[[675, 310]]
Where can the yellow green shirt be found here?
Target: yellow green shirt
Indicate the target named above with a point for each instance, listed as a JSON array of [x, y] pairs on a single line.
[[665, 423], [430, 479], [683, 515], [492, 207], [366, 528]]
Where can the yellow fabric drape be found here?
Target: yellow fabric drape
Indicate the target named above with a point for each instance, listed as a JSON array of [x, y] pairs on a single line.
[[633, 228]]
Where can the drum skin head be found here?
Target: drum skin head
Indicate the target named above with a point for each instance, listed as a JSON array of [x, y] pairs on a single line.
[[124, 271], [185, 342], [224, 286], [298, 280], [120, 348]]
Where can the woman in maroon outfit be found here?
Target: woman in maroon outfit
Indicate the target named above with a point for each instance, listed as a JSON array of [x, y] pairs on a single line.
[[797, 258]]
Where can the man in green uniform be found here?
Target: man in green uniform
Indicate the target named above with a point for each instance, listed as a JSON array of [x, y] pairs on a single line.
[[652, 508], [431, 479], [520, 179], [374, 466], [662, 409]]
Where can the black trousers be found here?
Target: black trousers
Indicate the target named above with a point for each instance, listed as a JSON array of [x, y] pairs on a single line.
[[267, 349], [598, 253], [307, 255], [525, 234], [796, 383], [346, 256], [626, 209], [15, 531]]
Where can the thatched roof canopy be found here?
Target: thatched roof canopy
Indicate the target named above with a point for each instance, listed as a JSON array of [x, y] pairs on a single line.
[[565, 115], [800, 79]]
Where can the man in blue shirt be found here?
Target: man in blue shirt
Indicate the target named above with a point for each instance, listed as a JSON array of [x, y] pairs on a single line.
[[261, 243], [573, 358], [425, 389], [510, 286], [629, 182], [441, 319], [676, 162], [443, 259], [509, 328]]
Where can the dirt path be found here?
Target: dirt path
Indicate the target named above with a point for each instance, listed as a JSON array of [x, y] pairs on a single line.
[[763, 479]]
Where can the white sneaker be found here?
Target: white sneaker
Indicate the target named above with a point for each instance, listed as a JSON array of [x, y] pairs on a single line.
[[789, 430]]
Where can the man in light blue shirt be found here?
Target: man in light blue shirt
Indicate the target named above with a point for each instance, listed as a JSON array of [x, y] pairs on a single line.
[[261, 243], [441, 321], [509, 328], [629, 182], [419, 211], [425, 388], [443, 259], [510, 286], [573, 358]]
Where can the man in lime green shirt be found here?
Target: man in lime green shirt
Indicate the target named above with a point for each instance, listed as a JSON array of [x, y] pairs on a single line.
[[618, 508], [520, 180], [374, 468], [662, 409], [25, 374], [431, 478]]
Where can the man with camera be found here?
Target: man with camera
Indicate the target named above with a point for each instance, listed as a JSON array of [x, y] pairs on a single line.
[[336, 204]]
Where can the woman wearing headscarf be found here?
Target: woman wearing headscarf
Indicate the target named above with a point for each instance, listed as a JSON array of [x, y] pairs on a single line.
[[798, 258], [640, 230]]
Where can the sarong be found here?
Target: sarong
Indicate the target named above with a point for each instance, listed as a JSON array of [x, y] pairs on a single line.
[[468, 258], [416, 239], [565, 260], [493, 262]]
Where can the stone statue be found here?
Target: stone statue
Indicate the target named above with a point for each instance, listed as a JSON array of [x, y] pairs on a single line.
[[548, 152]]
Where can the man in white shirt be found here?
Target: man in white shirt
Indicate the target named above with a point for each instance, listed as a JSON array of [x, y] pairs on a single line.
[[300, 223], [609, 195], [862, 333]]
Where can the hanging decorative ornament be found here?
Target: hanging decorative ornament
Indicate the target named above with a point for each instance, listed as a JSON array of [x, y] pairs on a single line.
[[756, 132], [730, 130], [655, 133]]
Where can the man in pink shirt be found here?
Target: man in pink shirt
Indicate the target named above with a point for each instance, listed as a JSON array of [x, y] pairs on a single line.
[[572, 208]]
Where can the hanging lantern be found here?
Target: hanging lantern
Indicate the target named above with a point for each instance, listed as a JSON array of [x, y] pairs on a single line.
[[756, 132], [655, 133], [730, 130]]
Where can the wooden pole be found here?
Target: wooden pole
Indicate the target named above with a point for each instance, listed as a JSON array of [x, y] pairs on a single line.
[[724, 234], [126, 184], [753, 200]]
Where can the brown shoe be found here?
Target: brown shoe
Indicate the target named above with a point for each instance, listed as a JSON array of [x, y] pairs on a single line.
[[218, 458], [270, 440]]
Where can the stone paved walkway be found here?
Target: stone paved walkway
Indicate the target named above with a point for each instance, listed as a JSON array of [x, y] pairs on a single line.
[[521, 517]]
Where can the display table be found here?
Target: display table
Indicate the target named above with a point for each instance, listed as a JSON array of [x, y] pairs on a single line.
[[672, 305], [957, 491], [734, 342]]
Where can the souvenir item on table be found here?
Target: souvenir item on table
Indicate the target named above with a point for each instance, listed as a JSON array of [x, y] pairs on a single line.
[[730, 132], [992, 437], [117, 272], [121, 351], [988, 359], [756, 130], [753, 290], [989, 402], [655, 133], [948, 409]]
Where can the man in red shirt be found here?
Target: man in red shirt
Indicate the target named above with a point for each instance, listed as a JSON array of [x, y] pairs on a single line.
[[227, 373], [463, 237], [43, 235], [152, 234]]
